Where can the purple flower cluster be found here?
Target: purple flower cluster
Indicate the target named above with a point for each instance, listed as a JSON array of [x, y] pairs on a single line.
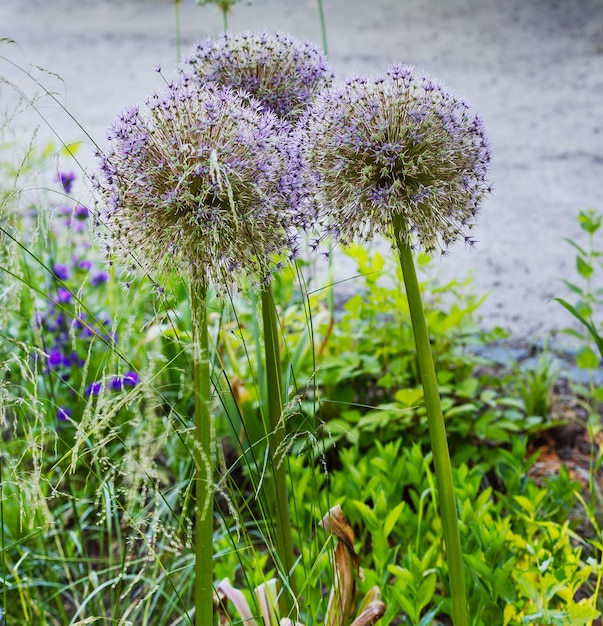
[[116, 383], [399, 144], [201, 179], [67, 334], [215, 175], [67, 329], [279, 71], [66, 179], [76, 217]]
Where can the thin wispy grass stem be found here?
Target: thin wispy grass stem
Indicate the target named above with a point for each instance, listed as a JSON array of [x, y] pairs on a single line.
[[178, 30], [437, 428], [275, 396], [204, 507], [323, 27]]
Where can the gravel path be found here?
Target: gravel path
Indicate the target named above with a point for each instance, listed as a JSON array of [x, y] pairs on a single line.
[[534, 70]]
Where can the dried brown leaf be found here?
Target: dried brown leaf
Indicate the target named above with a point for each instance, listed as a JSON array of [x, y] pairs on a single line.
[[343, 593], [371, 609]]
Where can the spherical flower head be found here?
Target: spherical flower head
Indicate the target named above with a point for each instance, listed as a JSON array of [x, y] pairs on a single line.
[[279, 71], [197, 181], [398, 145]]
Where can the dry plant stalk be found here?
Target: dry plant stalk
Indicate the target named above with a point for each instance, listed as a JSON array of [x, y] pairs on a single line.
[[343, 593]]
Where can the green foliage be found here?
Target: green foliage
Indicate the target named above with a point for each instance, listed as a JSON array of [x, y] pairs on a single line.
[[523, 561], [367, 370], [589, 295], [535, 385], [96, 510]]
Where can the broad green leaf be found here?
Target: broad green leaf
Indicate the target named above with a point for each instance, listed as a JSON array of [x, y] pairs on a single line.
[[586, 359], [426, 591], [409, 397], [584, 268], [392, 518]]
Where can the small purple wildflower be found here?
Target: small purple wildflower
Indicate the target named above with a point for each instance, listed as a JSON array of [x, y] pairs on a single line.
[[396, 145], [93, 389], [60, 271], [99, 278], [81, 212], [66, 179], [85, 265], [64, 413], [282, 73], [55, 359], [131, 379], [63, 295]]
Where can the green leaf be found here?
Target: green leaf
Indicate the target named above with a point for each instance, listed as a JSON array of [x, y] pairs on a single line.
[[392, 518], [590, 221], [426, 591], [586, 323], [410, 397], [598, 394], [584, 268], [525, 503], [582, 613], [368, 515], [586, 359]]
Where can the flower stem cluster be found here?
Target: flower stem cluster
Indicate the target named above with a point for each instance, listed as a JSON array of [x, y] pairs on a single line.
[[399, 144]]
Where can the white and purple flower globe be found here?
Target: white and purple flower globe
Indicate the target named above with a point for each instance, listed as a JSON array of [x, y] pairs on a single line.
[[282, 73], [396, 145], [201, 179]]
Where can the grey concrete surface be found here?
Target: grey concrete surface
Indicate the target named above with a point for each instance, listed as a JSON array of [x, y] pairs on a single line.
[[534, 70]]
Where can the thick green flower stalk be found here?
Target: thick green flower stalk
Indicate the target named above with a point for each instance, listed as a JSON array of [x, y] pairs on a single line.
[[400, 156], [196, 182], [284, 75]]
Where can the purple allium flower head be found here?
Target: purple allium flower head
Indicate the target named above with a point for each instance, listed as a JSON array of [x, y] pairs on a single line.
[[279, 71], [400, 144], [197, 181], [60, 271], [66, 179]]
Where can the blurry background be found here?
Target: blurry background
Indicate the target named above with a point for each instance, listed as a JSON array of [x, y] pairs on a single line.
[[533, 70]]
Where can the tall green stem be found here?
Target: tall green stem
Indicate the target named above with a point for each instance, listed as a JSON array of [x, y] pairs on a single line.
[[323, 27], [437, 429], [178, 35], [275, 394], [204, 507]]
